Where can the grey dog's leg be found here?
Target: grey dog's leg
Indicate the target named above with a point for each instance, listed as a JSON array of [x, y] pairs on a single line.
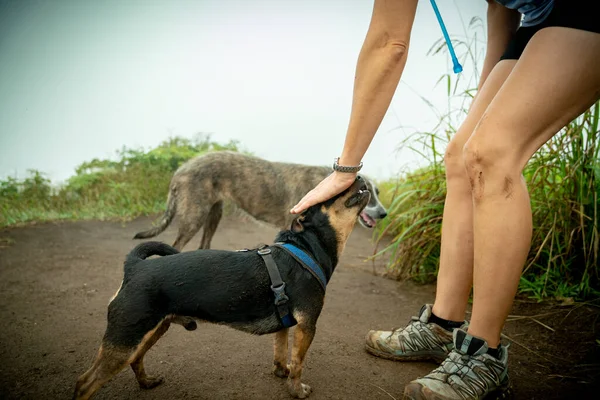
[[210, 226], [189, 225]]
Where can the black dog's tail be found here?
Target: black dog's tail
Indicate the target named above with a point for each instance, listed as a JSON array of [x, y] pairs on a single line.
[[164, 222], [145, 250]]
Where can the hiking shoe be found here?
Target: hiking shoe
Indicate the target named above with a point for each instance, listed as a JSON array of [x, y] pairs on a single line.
[[419, 340], [467, 373]]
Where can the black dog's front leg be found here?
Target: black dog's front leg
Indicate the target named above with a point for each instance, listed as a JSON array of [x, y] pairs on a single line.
[[280, 351], [303, 336]]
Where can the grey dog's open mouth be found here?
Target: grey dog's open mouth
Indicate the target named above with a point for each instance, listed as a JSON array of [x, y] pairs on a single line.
[[367, 220]]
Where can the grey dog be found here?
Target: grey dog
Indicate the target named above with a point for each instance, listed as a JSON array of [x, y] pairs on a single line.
[[263, 189]]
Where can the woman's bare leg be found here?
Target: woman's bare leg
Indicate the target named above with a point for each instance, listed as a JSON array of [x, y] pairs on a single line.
[[555, 80], [455, 276]]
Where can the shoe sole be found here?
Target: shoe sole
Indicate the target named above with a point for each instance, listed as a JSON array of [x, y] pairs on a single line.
[[423, 356], [413, 392]]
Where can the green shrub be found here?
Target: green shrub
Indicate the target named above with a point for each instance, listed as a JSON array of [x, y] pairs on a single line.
[[134, 183]]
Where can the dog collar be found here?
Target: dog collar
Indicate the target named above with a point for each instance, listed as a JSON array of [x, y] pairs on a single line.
[[306, 261]]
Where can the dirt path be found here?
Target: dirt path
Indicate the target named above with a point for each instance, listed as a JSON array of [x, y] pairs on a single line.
[[56, 279]]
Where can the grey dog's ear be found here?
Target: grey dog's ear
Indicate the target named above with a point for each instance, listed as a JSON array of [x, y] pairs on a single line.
[[297, 225]]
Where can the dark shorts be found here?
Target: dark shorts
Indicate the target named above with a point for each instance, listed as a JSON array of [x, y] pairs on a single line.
[[576, 14]]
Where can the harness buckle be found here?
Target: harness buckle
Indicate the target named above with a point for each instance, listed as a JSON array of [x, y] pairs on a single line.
[[280, 296], [264, 251]]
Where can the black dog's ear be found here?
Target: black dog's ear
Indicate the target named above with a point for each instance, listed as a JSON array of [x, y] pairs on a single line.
[[297, 225]]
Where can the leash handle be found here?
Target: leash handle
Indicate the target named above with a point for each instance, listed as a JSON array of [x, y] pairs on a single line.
[[457, 67]]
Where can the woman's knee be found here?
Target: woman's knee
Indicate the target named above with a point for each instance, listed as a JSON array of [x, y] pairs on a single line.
[[454, 161], [488, 165]]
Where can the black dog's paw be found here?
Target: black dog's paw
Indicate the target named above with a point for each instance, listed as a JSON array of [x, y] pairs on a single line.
[[281, 371], [151, 382], [299, 390]]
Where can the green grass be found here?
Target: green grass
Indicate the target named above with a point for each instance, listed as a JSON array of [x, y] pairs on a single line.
[[135, 183]]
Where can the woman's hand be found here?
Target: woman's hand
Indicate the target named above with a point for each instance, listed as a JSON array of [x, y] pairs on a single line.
[[335, 183]]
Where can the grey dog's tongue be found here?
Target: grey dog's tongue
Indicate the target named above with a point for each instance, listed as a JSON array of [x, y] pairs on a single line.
[[370, 221]]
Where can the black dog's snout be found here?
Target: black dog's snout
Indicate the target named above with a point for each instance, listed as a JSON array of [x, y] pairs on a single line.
[[358, 178], [382, 215]]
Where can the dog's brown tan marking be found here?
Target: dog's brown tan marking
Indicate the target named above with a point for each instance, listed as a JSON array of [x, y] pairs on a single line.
[[109, 362], [112, 359], [303, 336], [341, 224], [340, 218], [280, 352], [137, 364]]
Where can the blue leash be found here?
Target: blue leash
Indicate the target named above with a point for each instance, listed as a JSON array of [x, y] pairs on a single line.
[[457, 67]]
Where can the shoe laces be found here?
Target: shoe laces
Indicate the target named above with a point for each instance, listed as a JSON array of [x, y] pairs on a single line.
[[460, 364], [455, 364], [411, 325]]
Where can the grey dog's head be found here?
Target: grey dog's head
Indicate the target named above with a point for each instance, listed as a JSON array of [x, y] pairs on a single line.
[[374, 210]]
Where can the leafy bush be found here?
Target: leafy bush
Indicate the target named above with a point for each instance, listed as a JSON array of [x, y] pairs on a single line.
[[134, 183]]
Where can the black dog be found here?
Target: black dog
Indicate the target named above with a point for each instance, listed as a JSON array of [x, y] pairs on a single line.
[[227, 287]]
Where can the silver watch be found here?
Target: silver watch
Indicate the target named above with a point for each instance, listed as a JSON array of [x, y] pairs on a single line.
[[343, 168]]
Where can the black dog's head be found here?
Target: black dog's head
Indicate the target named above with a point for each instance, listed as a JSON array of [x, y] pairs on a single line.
[[374, 210], [331, 222]]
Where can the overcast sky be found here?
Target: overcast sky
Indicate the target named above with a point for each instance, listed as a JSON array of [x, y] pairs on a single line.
[[81, 78]]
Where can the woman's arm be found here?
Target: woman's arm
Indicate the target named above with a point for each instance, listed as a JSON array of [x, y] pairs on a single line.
[[502, 23], [380, 65], [378, 70]]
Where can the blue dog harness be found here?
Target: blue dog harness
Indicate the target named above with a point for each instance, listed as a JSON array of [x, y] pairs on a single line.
[[278, 285], [306, 261]]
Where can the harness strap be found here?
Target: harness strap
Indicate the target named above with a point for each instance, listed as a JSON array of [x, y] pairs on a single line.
[[306, 261], [278, 288]]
